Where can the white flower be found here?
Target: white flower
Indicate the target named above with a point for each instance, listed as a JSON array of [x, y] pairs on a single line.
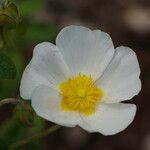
[[82, 81]]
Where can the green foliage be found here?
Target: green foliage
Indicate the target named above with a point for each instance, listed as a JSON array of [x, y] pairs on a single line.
[[1, 42], [9, 16], [11, 10], [29, 7], [7, 67], [12, 85], [39, 32], [17, 35], [21, 29], [6, 21], [12, 131], [23, 113], [9, 22]]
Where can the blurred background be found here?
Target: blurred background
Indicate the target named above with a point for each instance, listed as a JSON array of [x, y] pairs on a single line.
[[127, 22]]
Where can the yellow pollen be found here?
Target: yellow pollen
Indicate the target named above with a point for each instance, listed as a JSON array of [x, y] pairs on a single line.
[[80, 94]]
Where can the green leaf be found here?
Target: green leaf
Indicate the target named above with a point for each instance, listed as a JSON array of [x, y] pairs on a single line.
[[7, 67], [13, 85], [29, 7]]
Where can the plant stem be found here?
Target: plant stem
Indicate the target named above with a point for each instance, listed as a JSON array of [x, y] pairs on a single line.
[[9, 100], [34, 137]]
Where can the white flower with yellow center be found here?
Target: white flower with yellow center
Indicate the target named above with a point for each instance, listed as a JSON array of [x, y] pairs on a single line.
[[82, 81]]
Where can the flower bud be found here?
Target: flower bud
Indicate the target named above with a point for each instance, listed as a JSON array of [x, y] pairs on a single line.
[[6, 21], [11, 10], [9, 15]]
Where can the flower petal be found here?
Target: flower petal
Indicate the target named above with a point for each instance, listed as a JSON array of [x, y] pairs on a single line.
[[85, 51], [47, 67], [109, 119], [120, 80], [46, 103], [30, 80]]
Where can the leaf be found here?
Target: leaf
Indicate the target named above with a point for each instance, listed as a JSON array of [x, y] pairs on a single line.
[[29, 7], [7, 67], [13, 85]]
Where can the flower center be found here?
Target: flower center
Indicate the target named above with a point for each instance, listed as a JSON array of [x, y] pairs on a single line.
[[80, 94]]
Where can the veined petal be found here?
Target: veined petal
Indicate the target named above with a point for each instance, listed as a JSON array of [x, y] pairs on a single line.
[[85, 51], [109, 119], [46, 103], [120, 80], [47, 68]]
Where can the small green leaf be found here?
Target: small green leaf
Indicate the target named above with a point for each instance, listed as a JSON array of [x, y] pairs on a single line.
[[13, 85], [7, 67]]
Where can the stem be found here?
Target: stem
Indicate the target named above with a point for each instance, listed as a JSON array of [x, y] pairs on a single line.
[[34, 137], [9, 100]]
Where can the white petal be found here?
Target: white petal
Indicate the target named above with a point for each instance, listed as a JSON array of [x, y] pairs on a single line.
[[120, 80], [30, 80], [109, 119], [46, 103], [47, 67], [85, 51]]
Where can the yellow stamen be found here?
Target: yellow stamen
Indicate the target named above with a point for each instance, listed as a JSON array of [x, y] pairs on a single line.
[[80, 94]]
